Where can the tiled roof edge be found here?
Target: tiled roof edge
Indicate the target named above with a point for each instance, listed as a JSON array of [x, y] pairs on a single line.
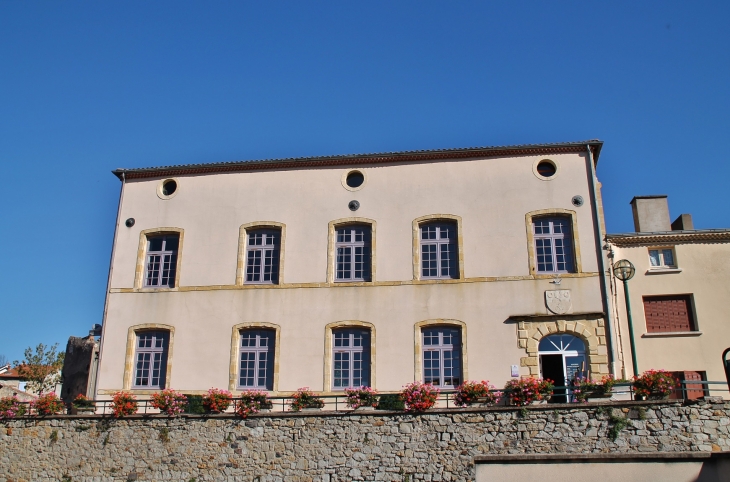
[[687, 236], [349, 159]]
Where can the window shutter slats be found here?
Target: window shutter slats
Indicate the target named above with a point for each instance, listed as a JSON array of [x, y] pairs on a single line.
[[666, 314]]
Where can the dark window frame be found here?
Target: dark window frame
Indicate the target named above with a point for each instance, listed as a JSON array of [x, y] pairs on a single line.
[[161, 263], [442, 350], [433, 246], [345, 354], [153, 352], [554, 249], [348, 248], [262, 357], [262, 258]]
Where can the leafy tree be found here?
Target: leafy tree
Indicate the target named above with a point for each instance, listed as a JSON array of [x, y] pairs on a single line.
[[42, 369]]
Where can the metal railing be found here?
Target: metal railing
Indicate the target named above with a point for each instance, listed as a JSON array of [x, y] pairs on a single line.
[[688, 389]]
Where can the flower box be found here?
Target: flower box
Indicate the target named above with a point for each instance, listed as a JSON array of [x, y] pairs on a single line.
[[305, 399]]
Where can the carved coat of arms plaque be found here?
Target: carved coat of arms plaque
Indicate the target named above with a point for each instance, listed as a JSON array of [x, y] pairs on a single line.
[[558, 301]]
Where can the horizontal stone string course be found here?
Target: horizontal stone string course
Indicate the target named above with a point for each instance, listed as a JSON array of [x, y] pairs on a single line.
[[336, 446]]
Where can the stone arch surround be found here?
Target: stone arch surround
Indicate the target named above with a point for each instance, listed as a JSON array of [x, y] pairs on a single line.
[[589, 328]]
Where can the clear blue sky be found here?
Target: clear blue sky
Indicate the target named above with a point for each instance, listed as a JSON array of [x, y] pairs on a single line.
[[86, 87]]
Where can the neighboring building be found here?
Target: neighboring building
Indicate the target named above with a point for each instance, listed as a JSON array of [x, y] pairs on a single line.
[[12, 384], [340, 271], [679, 296]]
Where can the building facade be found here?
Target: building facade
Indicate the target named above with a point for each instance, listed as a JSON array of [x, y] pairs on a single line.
[[679, 295], [343, 271]]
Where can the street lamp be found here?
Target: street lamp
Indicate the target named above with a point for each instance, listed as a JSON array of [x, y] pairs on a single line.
[[624, 271]]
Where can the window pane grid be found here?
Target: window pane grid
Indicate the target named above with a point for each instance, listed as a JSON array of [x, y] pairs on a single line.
[[161, 261], [350, 358], [439, 256], [352, 254], [256, 359], [150, 360], [262, 257], [442, 357], [553, 245], [661, 257]]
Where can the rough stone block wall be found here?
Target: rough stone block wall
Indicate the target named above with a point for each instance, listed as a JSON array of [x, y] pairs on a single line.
[[338, 446]]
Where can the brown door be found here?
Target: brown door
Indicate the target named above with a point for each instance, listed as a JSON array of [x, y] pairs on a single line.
[[689, 390]]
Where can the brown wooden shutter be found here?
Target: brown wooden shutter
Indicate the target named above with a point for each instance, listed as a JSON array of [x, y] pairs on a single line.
[[668, 313], [689, 390]]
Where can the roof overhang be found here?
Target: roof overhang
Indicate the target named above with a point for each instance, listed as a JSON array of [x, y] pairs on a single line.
[[358, 159], [671, 237]]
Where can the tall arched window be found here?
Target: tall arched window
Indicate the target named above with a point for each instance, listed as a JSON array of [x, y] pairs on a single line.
[[441, 347], [350, 358], [150, 359], [352, 253], [439, 250], [256, 359], [553, 244], [262, 256], [161, 262]]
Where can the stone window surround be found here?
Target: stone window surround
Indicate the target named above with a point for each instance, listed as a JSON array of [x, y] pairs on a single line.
[[139, 271], [235, 350], [589, 328], [531, 239], [418, 345], [129, 356], [416, 225], [328, 329], [331, 243], [242, 238]]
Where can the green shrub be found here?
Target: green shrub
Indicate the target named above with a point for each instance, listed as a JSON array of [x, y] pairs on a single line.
[[195, 404], [390, 401]]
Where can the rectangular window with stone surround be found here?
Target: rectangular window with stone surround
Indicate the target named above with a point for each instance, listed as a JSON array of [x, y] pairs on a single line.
[[439, 251], [161, 261], [350, 358], [441, 356], [553, 245], [262, 256], [256, 359], [150, 359]]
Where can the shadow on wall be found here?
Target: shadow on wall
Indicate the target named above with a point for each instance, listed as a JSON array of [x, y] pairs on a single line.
[[674, 466]]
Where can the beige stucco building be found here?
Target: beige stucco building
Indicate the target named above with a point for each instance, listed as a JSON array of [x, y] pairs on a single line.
[[378, 269], [679, 294]]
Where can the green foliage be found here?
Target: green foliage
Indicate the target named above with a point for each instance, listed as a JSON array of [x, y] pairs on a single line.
[[54, 436], [390, 401], [195, 404], [642, 413], [42, 369], [522, 412], [617, 425], [164, 435]]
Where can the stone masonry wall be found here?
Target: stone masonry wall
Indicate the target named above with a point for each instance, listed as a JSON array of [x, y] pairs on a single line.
[[439, 445]]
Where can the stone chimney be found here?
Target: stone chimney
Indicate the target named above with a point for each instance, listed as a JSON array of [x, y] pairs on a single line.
[[683, 223], [651, 213]]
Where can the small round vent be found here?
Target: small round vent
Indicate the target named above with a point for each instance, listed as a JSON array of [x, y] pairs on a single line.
[[577, 201], [354, 205]]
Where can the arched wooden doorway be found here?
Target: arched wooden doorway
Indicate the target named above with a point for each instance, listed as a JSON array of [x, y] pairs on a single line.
[[562, 359]]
